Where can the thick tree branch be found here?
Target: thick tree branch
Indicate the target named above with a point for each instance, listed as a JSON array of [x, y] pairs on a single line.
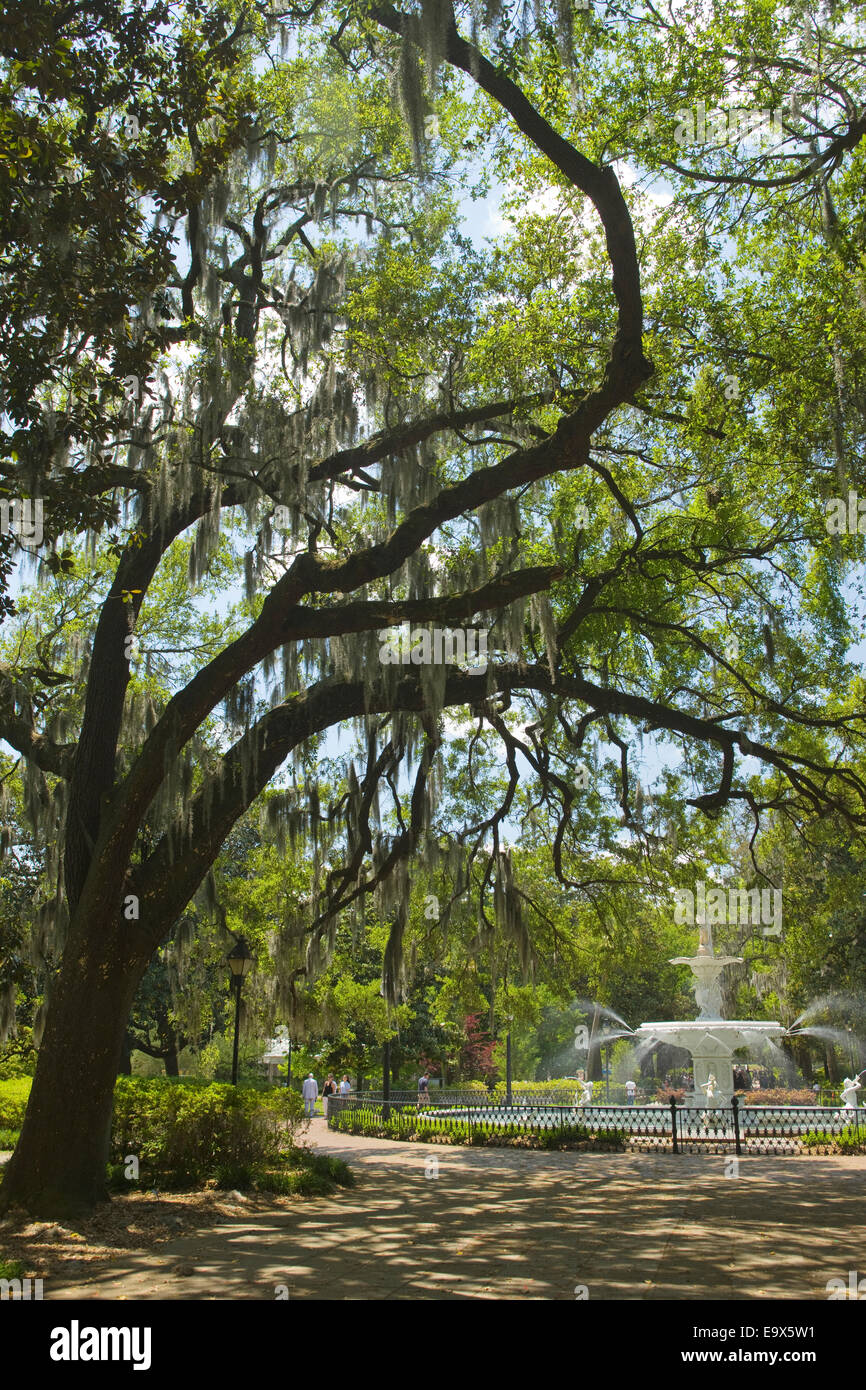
[[173, 872]]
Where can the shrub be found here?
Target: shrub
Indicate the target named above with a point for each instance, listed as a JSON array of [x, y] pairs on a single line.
[[186, 1134], [329, 1166], [14, 1093], [17, 1059], [300, 1183], [848, 1140], [8, 1138], [306, 1174], [779, 1095]]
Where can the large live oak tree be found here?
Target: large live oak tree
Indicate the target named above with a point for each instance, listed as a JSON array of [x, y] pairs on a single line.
[[412, 446]]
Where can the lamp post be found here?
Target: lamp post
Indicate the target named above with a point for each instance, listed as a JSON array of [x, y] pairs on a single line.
[[239, 961], [386, 1078]]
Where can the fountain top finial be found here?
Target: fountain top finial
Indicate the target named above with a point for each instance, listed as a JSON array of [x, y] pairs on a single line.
[[705, 939]]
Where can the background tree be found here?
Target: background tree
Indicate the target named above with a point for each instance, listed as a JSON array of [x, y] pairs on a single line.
[[92, 102]]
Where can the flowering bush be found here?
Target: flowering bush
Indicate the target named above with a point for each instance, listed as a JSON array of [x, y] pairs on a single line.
[[780, 1095], [664, 1093]]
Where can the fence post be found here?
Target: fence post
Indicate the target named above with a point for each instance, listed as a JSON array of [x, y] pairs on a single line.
[[674, 1123], [735, 1106]]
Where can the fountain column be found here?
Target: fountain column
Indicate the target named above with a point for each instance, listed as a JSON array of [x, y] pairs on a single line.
[[712, 1049]]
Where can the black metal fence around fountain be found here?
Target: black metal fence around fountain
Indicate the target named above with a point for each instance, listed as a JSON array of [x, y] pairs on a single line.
[[729, 1129]]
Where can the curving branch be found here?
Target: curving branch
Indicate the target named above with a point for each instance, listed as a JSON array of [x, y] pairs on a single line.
[[172, 873]]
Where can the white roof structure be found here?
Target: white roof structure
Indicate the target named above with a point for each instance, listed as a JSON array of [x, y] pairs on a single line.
[[278, 1047]]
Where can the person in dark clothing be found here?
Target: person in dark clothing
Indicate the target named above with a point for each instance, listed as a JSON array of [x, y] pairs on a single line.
[[329, 1089]]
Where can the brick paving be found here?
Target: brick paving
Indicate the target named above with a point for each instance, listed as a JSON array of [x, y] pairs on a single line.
[[510, 1224]]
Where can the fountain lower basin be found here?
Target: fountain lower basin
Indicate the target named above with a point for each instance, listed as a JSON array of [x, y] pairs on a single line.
[[712, 1043]]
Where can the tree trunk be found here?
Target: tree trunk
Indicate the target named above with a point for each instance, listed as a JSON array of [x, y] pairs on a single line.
[[125, 1065], [58, 1166], [170, 1059]]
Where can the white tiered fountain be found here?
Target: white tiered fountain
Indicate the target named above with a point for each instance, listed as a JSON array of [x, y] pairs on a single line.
[[711, 1039]]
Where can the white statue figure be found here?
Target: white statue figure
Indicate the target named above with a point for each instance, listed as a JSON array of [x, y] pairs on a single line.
[[584, 1097], [850, 1087], [710, 1086]]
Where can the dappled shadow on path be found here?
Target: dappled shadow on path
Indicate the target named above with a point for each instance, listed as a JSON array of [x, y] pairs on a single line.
[[434, 1222]]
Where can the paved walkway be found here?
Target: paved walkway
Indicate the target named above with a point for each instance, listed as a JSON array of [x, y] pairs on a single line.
[[431, 1222]]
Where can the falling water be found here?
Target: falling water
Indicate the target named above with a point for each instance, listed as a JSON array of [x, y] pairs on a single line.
[[644, 1048], [839, 1036], [606, 1037], [761, 1044], [842, 1003], [591, 1006]]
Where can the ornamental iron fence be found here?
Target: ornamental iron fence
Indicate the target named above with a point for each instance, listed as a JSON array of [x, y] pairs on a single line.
[[478, 1120]]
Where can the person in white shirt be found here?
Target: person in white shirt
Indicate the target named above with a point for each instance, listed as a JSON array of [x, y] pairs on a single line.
[[630, 1091], [310, 1092], [345, 1086]]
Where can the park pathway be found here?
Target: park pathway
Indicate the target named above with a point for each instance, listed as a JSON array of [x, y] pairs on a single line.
[[432, 1222]]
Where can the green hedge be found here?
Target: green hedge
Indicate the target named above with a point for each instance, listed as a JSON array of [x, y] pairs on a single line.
[[849, 1140], [406, 1125], [184, 1133], [14, 1093]]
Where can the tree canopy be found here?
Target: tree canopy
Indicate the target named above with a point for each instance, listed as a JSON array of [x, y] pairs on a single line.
[[604, 438]]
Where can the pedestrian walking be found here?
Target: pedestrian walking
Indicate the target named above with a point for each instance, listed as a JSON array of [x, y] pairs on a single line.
[[630, 1092], [310, 1092], [329, 1089], [423, 1088]]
